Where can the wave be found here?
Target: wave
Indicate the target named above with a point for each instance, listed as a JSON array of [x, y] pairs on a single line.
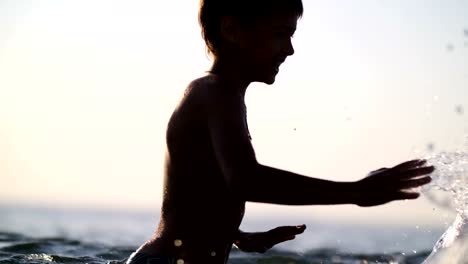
[[20, 249]]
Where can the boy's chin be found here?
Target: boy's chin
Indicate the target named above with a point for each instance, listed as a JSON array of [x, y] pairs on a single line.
[[267, 82], [268, 79]]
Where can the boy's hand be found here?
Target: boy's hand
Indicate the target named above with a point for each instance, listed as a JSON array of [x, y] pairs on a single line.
[[262, 241], [386, 185]]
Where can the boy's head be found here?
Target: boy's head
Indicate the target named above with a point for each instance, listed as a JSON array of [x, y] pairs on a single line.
[[257, 32]]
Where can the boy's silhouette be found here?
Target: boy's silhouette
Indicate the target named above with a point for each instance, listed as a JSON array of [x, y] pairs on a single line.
[[211, 170]]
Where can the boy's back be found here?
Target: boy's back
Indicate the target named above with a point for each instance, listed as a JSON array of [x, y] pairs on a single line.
[[199, 211]]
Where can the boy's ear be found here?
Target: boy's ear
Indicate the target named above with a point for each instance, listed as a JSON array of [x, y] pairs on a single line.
[[229, 29]]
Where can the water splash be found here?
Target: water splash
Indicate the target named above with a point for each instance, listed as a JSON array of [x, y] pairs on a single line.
[[451, 176]]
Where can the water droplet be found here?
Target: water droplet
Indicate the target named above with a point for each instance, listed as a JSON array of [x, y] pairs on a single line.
[[430, 147], [459, 109], [450, 47], [177, 242], [180, 261]]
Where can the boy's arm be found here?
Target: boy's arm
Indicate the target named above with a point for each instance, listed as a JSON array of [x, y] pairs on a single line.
[[378, 188], [251, 181]]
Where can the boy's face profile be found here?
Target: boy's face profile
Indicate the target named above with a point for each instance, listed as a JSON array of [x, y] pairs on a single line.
[[263, 47]]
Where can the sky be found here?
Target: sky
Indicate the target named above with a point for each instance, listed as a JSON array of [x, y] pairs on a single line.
[[87, 88]]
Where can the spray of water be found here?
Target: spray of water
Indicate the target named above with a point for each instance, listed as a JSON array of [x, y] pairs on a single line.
[[451, 176]]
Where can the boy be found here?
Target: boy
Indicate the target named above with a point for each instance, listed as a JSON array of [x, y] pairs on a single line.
[[210, 168]]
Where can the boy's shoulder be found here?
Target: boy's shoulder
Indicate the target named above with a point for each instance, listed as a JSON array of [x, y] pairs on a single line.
[[204, 85], [207, 89]]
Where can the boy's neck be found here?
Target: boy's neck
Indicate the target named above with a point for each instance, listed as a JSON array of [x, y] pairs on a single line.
[[231, 70]]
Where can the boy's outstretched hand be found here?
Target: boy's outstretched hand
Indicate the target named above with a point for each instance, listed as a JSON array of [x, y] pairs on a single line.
[[389, 184], [262, 241]]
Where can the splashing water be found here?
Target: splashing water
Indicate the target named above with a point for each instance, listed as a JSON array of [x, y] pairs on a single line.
[[451, 176]]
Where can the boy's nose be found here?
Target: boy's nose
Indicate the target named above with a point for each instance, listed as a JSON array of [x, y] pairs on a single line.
[[289, 49]]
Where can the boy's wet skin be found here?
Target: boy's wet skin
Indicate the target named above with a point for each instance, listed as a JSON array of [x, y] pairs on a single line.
[[200, 215]]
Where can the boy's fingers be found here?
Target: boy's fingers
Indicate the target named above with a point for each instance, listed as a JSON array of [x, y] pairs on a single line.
[[412, 173], [299, 229], [287, 230], [409, 164], [407, 196], [415, 183], [418, 172], [284, 233]]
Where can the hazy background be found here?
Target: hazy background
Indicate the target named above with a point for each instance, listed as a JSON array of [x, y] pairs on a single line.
[[87, 87]]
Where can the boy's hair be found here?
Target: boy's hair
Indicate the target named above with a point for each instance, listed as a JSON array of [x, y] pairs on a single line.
[[211, 12]]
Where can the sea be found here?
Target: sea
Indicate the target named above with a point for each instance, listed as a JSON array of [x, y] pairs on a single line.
[[64, 235], [76, 235]]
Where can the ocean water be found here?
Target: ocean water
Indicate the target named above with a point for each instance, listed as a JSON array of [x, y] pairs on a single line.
[[53, 235], [46, 235]]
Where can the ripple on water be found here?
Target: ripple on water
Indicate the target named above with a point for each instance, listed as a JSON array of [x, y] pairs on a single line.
[[98, 254]]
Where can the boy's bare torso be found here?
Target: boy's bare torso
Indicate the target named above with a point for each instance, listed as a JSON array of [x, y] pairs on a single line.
[[200, 217]]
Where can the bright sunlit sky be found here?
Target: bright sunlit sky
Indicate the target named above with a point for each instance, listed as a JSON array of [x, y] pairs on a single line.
[[87, 87]]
